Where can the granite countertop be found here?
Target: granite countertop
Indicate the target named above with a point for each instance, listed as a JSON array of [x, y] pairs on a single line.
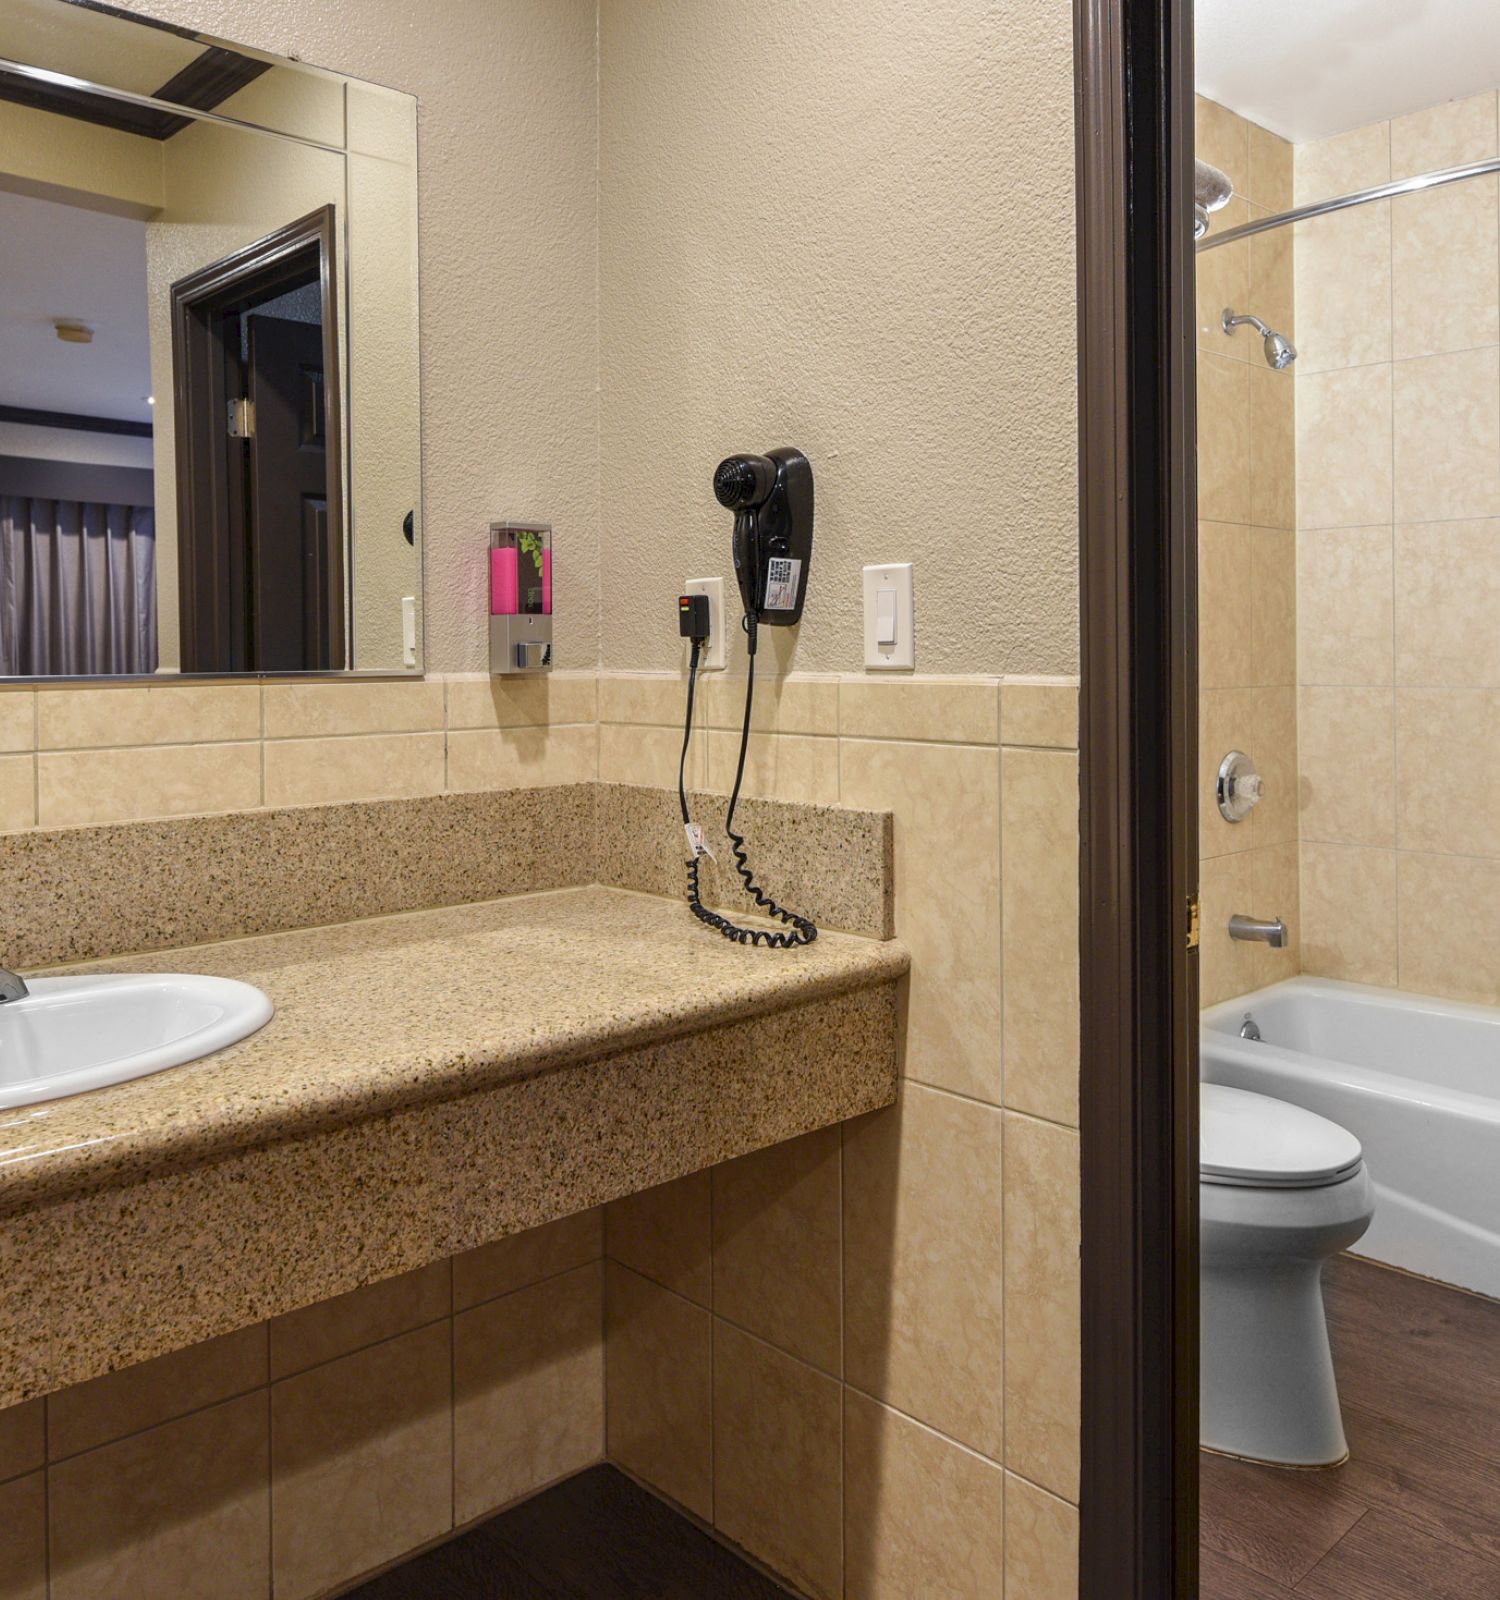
[[396, 1011]]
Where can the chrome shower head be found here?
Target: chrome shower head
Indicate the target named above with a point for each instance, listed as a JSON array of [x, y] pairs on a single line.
[[1211, 189], [1280, 351]]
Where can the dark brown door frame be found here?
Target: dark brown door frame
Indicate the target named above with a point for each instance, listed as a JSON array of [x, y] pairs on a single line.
[[209, 464], [1138, 739]]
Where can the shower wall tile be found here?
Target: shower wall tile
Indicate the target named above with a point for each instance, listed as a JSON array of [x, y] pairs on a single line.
[[1223, 438], [1269, 181], [1344, 605], [1272, 417], [1358, 159], [1276, 891], [1344, 448], [1348, 930], [1447, 588], [1448, 761], [1225, 967], [1225, 723], [1344, 289], [1449, 135], [1224, 281], [1273, 607], [1222, 139], [1272, 276], [1448, 911], [1445, 263], [1041, 1543], [1225, 660], [1346, 752], [1446, 436]]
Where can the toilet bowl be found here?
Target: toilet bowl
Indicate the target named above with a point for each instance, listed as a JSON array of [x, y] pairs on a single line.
[[1281, 1190]]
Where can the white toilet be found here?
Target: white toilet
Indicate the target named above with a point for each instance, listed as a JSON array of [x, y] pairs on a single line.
[[1281, 1189]]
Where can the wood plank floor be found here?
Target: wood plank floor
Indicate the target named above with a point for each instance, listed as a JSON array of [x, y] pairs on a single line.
[[1414, 1514], [596, 1537]]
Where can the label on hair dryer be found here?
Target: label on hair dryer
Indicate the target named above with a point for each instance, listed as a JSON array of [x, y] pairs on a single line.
[[697, 844], [783, 579]]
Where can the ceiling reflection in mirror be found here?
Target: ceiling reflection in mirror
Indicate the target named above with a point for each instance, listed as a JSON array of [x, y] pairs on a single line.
[[209, 423]]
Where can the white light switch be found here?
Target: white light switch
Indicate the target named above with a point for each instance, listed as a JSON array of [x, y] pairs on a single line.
[[890, 638]]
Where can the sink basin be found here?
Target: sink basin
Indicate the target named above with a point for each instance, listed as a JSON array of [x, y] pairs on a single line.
[[72, 1034]]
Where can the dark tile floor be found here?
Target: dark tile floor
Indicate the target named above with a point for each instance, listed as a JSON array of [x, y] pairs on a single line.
[[1414, 1514], [596, 1537]]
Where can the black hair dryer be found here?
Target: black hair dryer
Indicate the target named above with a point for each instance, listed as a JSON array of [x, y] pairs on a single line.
[[772, 500]]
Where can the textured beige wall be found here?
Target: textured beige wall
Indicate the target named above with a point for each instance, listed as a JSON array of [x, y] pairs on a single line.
[[847, 227], [1398, 465], [507, 144], [1247, 612]]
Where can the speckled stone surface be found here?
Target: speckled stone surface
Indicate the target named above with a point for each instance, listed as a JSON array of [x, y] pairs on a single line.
[[831, 863], [72, 894], [430, 1082]]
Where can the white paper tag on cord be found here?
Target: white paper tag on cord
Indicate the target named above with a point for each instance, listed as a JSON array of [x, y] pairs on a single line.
[[783, 578], [696, 842]]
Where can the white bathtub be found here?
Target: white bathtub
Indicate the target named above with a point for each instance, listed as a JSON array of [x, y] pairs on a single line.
[[1416, 1080]]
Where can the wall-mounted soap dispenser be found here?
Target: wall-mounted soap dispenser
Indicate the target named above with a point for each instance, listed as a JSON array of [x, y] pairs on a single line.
[[520, 597]]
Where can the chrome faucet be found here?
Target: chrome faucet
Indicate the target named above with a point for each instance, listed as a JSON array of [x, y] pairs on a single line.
[[12, 986], [1272, 933]]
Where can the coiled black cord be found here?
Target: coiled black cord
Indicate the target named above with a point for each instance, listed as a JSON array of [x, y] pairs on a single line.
[[804, 931]]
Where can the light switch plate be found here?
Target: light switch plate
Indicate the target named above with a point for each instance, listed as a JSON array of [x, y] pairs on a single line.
[[893, 579], [712, 658]]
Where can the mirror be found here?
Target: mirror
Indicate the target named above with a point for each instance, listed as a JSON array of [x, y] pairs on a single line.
[[209, 409]]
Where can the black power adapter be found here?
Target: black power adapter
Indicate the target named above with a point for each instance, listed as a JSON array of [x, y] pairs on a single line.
[[693, 617]]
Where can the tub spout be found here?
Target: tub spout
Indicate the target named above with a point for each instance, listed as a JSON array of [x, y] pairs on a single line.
[[1272, 933]]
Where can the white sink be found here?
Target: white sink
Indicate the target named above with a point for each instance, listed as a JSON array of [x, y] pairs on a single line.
[[72, 1034]]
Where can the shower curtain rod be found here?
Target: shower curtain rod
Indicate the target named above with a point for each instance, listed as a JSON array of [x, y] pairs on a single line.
[[1320, 208]]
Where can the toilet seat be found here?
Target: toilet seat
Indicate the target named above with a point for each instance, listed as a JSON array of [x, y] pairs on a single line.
[[1252, 1141]]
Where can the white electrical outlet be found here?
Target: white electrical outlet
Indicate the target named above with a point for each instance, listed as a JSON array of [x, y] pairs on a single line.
[[890, 635], [712, 658], [409, 629]]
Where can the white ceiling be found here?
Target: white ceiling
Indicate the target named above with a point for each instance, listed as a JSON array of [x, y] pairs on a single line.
[[59, 261], [1308, 68]]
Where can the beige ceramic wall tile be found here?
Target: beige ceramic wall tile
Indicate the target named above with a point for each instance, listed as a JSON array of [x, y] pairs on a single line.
[[1270, 180], [783, 704], [666, 1234], [1448, 770], [1223, 281], [923, 1298], [1039, 826], [1042, 1289], [124, 785], [91, 1414], [1225, 965], [1226, 721], [1273, 608], [521, 758], [71, 719], [302, 710], [1447, 437], [1344, 610], [1225, 660], [1449, 913], [1223, 439], [1222, 138], [180, 1509], [1344, 448], [922, 1515], [1342, 163], [553, 698], [1447, 601], [778, 1246], [658, 1352], [1347, 927], [17, 793], [946, 802], [1446, 269], [649, 756], [1273, 279], [1041, 1543], [349, 1322], [23, 1438], [1275, 891], [1039, 711], [1449, 135], [653, 698], [777, 765], [370, 1435], [528, 1390], [1343, 288], [951, 709], [1346, 753], [306, 772], [17, 719], [23, 1538], [524, 1258], [1273, 448], [1274, 744], [778, 1461]]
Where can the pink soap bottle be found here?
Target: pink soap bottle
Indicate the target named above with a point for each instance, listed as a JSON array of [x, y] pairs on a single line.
[[520, 569]]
